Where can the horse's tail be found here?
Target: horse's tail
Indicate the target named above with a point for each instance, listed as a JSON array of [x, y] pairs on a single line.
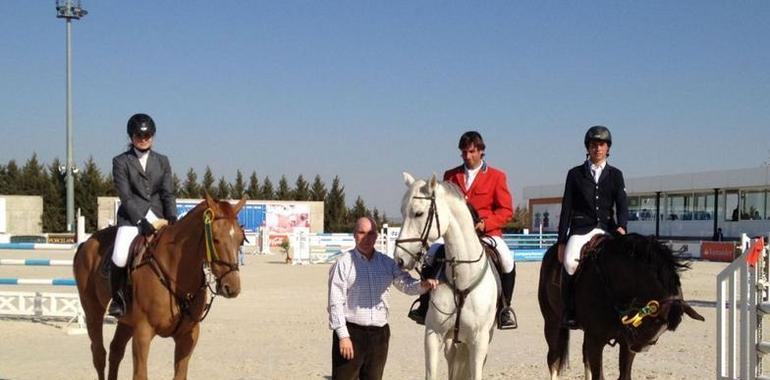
[[562, 352], [549, 296]]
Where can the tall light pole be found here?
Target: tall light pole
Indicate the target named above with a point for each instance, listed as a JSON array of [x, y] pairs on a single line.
[[69, 10]]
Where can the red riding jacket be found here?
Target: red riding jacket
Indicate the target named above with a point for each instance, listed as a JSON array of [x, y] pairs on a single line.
[[488, 194]]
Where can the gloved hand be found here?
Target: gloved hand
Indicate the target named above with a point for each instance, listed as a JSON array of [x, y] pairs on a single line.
[[171, 220], [145, 227]]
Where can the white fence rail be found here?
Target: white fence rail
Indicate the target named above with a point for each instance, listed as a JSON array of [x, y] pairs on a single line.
[[742, 300]]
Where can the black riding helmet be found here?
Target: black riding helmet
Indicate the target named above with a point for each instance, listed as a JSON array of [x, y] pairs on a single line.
[[140, 124], [598, 133]]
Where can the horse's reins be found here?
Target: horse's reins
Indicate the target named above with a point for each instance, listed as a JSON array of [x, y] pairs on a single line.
[[459, 295], [212, 257]]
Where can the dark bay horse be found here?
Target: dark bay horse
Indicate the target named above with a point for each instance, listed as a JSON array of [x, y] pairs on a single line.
[[627, 291], [168, 288]]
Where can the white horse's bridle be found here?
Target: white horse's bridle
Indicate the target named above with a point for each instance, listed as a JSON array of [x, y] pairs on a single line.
[[423, 239]]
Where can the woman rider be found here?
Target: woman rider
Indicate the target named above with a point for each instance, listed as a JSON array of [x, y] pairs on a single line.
[[143, 180], [594, 203]]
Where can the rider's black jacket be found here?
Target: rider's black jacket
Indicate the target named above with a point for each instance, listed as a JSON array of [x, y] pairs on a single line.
[[587, 204]]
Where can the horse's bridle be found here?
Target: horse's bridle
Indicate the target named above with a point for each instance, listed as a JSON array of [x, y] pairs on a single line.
[[212, 257], [423, 239]]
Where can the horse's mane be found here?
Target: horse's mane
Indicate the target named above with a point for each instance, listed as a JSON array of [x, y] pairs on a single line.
[[654, 255], [453, 190]]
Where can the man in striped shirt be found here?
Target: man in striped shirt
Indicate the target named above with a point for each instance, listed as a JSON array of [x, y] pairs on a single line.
[[359, 285]]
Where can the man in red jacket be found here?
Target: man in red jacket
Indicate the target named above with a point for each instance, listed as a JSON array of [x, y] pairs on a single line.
[[486, 190]]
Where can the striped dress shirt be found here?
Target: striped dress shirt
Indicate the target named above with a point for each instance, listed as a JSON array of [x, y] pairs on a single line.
[[359, 290]]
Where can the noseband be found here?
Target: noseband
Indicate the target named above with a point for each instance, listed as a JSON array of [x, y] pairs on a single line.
[[423, 239]]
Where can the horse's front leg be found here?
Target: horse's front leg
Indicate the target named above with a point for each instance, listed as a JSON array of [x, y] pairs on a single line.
[[118, 348], [140, 348], [626, 360], [433, 342], [477, 353], [185, 344], [593, 348]]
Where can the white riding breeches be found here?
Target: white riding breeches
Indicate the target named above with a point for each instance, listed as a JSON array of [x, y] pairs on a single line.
[[506, 257], [123, 239], [574, 245]]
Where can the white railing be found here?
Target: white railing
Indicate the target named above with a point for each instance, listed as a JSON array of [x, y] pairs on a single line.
[[742, 300]]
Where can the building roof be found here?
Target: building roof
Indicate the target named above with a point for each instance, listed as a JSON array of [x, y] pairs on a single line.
[[758, 177]]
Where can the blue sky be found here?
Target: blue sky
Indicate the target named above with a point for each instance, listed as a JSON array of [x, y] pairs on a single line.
[[365, 90]]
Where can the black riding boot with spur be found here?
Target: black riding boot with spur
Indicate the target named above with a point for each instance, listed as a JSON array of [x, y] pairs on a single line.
[[568, 312], [118, 284], [507, 317]]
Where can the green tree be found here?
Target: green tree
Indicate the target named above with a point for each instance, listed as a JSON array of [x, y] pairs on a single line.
[[253, 191], [284, 192], [89, 184], [223, 189], [267, 189], [520, 220], [207, 186], [301, 189], [3, 179], [358, 211], [190, 188], [177, 185], [54, 200], [239, 188], [33, 179], [317, 189], [335, 211], [12, 178]]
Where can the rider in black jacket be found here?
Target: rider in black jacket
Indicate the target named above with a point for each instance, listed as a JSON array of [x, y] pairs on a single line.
[[594, 203]]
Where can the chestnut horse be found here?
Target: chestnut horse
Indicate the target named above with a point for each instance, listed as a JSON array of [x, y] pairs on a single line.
[[627, 291], [168, 288]]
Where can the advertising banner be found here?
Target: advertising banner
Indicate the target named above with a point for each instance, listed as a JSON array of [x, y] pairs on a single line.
[[717, 251]]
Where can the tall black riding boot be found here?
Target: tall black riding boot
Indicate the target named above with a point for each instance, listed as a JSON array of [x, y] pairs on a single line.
[[507, 317], [118, 284], [568, 312]]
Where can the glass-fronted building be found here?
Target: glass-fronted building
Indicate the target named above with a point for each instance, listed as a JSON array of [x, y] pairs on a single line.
[[699, 206]]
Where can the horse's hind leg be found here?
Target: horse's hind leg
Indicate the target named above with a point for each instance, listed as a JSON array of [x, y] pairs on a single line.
[[184, 346], [94, 321], [118, 348]]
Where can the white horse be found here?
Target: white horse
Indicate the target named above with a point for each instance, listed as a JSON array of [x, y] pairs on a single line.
[[462, 311]]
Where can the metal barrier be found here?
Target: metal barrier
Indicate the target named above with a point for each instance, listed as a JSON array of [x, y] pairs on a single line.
[[742, 300]]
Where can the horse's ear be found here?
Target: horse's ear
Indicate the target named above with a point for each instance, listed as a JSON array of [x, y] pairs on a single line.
[[408, 179], [210, 201], [239, 205], [433, 181]]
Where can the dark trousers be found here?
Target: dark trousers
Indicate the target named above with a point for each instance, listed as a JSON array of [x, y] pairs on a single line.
[[370, 352]]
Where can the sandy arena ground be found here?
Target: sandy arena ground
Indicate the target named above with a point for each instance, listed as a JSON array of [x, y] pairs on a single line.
[[277, 329]]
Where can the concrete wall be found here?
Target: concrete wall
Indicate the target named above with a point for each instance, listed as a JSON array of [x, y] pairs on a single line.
[[107, 209], [23, 214]]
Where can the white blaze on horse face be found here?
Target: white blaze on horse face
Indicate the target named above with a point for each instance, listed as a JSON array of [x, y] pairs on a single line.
[[232, 232]]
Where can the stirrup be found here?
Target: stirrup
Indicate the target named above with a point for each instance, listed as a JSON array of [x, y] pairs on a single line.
[[414, 313], [511, 326], [117, 309]]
